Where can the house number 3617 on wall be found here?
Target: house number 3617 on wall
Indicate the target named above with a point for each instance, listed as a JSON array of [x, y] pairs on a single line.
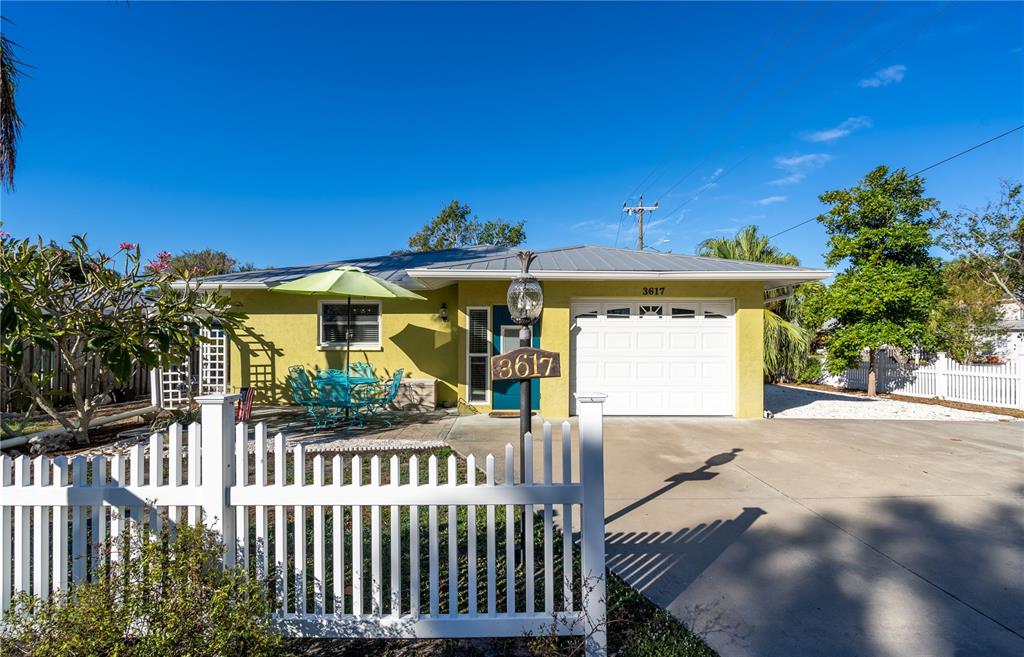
[[525, 363]]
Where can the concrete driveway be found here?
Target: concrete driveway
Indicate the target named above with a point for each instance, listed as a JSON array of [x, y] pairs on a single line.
[[816, 537]]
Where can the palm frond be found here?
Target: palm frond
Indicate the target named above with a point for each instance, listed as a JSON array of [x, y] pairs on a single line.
[[10, 120], [785, 344]]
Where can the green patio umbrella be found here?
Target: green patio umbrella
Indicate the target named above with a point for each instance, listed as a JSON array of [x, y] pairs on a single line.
[[346, 282]]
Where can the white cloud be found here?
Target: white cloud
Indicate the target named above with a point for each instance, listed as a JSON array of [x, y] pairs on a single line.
[[769, 200], [841, 130], [883, 78], [797, 166], [806, 161], [598, 227], [791, 179]]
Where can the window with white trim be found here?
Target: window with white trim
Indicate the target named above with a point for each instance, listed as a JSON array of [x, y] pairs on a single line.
[[364, 324], [510, 339], [478, 346]]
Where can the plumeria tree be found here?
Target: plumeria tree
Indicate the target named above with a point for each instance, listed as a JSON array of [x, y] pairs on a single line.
[[89, 307]]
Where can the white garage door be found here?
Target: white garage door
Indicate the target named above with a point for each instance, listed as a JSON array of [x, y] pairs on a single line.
[[656, 357]]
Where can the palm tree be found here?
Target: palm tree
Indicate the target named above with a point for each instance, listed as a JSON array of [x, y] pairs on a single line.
[[786, 344], [10, 122]]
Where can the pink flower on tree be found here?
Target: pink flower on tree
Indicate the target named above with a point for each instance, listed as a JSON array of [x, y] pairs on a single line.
[[126, 246]]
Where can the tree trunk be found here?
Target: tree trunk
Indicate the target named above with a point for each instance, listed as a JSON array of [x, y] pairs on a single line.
[[39, 398], [872, 367]]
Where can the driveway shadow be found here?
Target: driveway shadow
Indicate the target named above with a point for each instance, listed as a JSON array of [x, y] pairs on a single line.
[[700, 474], [781, 398], [645, 558], [905, 579]]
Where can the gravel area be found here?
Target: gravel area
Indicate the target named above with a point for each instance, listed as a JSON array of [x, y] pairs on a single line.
[[786, 402]]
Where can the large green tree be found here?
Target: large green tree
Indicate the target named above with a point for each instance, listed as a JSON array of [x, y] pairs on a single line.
[[100, 315], [963, 318], [991, 240], [454, 226], [882, 229], [786, 344], [205, 262]]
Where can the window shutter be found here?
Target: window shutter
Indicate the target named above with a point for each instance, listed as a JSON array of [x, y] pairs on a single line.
[[479, 350], [478, 333]]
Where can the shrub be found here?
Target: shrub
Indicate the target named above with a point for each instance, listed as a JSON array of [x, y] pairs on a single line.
[[810, 371], [182, 416], [170, 596]]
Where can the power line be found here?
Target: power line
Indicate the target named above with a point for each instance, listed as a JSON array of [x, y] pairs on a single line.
[[919, 172], [639, 210], [910, 35], [768, 42], [778, 96]]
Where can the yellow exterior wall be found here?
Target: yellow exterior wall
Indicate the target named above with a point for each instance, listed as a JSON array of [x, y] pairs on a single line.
[[281, 331], [554, 336]]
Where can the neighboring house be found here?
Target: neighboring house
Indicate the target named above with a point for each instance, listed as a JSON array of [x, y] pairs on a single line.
[[1008, 339], [662, 334]]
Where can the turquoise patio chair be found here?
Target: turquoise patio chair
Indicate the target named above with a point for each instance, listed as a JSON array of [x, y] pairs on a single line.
[[303, 395], [361, 369], [335, 397], [375, 407]]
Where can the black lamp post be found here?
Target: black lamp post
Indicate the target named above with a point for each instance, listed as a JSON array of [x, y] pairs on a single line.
[[525, 302]]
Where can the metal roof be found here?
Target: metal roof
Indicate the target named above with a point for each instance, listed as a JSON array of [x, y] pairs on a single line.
[[421, 269], [391, 268], [606, 258]]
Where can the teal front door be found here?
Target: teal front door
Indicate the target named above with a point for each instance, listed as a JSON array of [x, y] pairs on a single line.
[[505, 394]]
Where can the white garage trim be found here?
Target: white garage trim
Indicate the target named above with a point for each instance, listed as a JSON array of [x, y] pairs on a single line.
[[677, 356]]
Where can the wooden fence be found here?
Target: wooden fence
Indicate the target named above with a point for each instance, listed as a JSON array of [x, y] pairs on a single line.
[[377, 567], [45, 362], [990, 385]]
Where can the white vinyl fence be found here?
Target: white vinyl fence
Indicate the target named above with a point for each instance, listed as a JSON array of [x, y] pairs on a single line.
[[990, 385], [384, 557]]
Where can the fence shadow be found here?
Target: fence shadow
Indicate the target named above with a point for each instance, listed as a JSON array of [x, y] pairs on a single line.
[[258, 365], [673, 560]]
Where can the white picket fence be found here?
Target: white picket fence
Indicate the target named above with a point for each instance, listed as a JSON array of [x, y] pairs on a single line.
[[990, 385], [56, 517]]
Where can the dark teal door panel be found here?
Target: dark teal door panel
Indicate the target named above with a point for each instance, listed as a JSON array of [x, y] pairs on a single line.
[[505, 394]]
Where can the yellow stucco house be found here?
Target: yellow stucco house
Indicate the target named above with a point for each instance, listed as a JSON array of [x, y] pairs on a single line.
[[661, 334]]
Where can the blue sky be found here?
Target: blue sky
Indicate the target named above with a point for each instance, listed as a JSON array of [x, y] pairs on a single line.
[[296, 133]]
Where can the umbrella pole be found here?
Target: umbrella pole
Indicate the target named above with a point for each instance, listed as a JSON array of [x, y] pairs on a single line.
[[348, 348], [348, 334]]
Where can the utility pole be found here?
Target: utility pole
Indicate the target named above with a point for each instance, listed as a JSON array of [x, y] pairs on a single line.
[[639, 209]]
